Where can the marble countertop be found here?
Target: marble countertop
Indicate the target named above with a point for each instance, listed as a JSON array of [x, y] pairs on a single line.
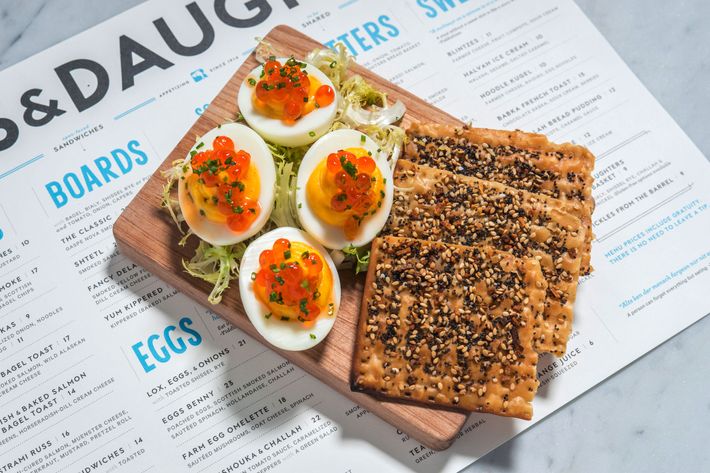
[[652, 416]]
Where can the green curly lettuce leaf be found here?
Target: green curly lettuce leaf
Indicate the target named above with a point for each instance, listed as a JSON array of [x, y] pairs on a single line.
[[389, 138], [357, 90], [287, 161], [334, 63], [217, 265], [172, 175], [360, 257]]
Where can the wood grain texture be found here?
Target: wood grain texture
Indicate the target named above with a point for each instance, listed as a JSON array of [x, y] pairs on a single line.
[[145, 234]]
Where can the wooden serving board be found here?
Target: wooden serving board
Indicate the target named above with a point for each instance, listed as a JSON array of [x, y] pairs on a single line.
[[145, 234]]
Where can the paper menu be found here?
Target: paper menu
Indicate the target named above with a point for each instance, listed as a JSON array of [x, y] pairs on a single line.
[[104, 367]]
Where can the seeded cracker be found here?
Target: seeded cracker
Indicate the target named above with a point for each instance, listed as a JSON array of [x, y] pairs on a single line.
[[438, 205], [525, 161], [449, 325]]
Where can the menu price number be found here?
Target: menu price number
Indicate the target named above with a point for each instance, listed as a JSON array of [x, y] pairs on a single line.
[[241, 343], [315, 418], [585, 136], [280, 401]]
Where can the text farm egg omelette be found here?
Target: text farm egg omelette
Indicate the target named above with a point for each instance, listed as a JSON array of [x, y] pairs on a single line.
[[288, 102], [289, 288], [226, 189], [344, 189]]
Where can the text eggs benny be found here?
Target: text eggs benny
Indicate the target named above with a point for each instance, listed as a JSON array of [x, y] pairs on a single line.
[[344, 189], [288, 102], [289, 288], [227, 185]]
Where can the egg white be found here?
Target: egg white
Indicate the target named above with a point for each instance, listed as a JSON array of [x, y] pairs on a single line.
[[247, 139], [286, 335], [305, 130], [332, 236]]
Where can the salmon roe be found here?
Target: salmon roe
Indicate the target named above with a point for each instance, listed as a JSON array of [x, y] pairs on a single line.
[[225, 168], [291, 280], [285, 89], [354, 179]]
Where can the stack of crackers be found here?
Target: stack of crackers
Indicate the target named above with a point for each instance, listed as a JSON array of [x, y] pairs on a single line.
[[477, 271]]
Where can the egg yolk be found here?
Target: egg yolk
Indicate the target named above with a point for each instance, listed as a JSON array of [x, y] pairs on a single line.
[[345, 188], [293, 282], [287, 92], [223, 185]]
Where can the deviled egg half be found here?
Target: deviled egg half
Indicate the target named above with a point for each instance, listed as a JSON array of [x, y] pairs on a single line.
[[344, 189], [289, 288], [288, 102], [227, 186]]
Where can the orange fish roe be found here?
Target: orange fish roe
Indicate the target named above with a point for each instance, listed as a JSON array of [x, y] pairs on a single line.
[[290, 282], [354, 179], [286, 91], [224, 171]]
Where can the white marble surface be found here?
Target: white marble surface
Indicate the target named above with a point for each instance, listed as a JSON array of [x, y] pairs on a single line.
[[654, 416]]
